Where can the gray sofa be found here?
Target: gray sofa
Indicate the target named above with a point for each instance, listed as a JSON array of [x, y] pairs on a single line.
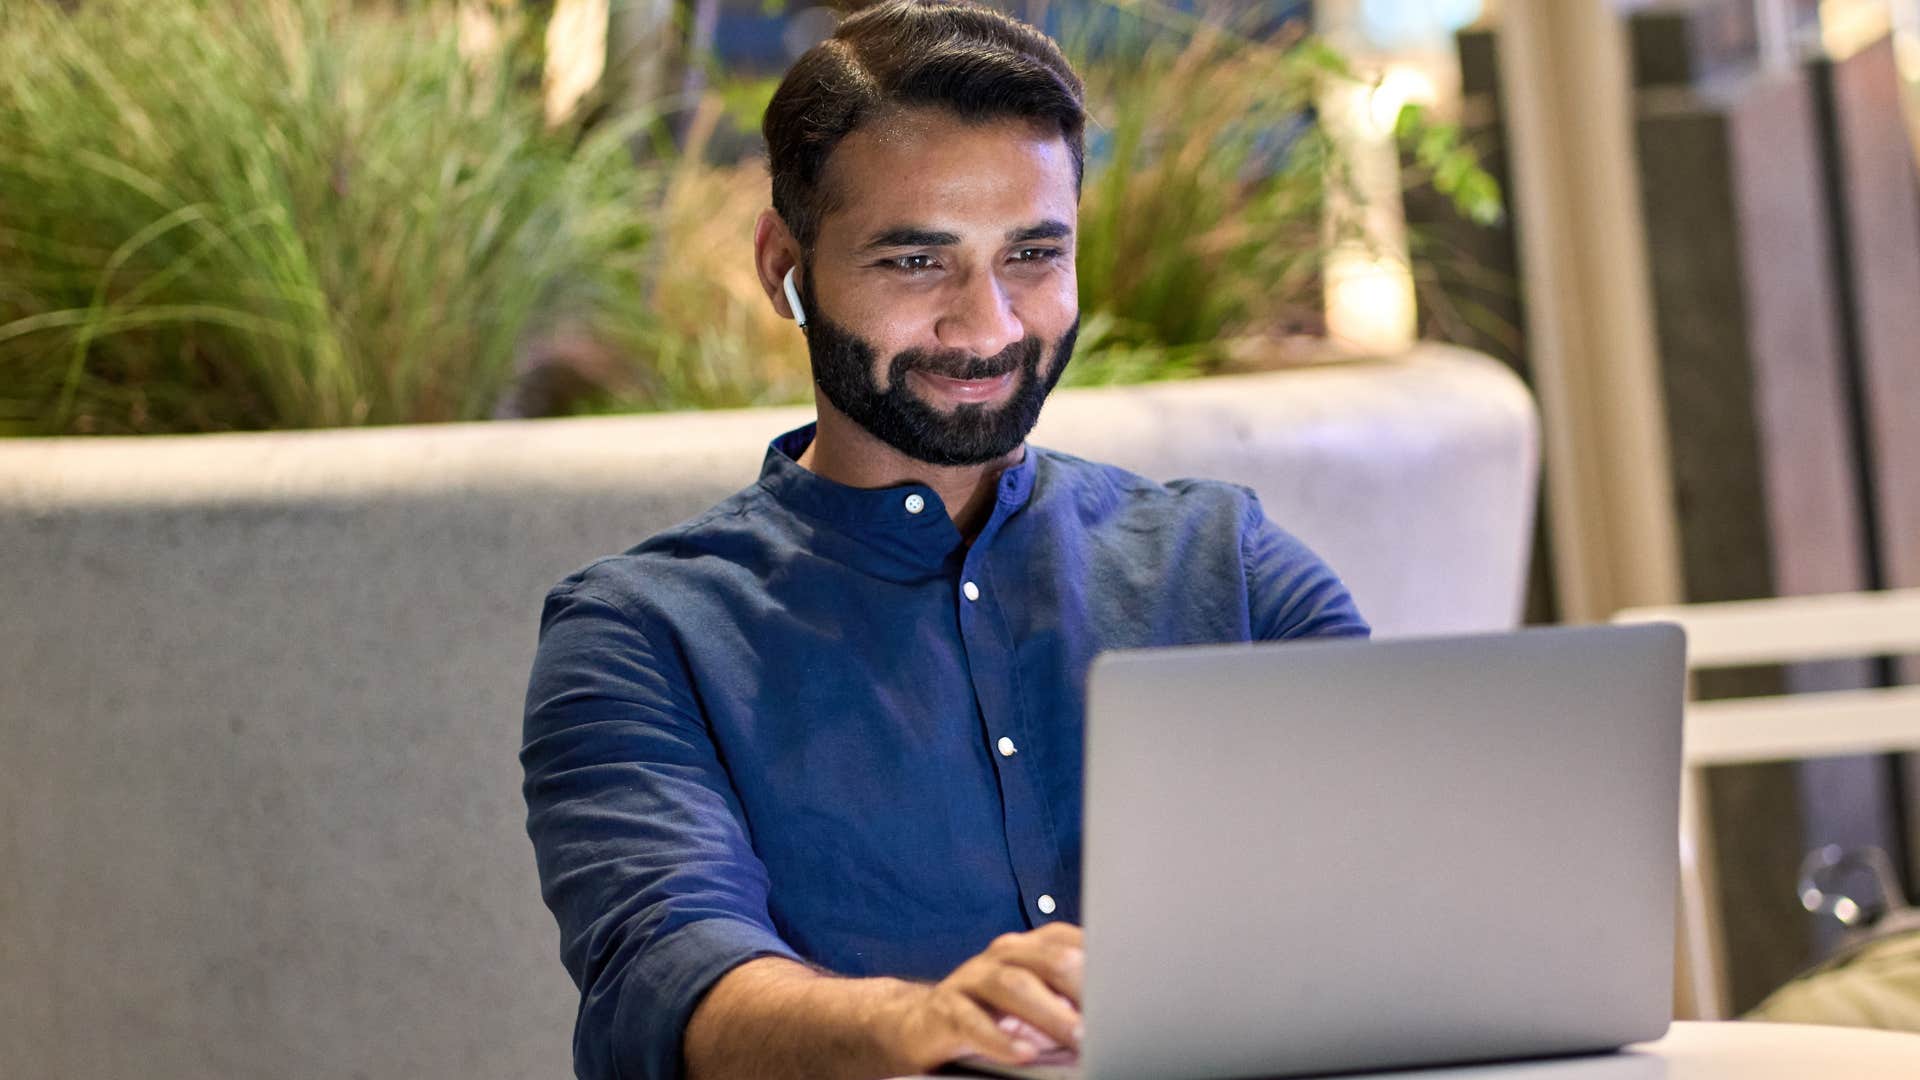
[[260, 814]]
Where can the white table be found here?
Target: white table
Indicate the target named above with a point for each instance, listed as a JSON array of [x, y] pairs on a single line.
[[1726, 1051], [1720, 1051]]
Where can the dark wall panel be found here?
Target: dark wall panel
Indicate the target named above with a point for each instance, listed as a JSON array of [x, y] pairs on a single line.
[[1879, 202], [1752, 338]]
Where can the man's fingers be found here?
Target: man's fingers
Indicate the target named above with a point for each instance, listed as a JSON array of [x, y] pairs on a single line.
[[1056, 933], [1059, 962], [1065, 933], [1031, 981], [1020, 1029], [978, 1034], [1017, 991]]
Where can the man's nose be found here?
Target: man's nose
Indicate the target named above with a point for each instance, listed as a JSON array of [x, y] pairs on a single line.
[[980, 320]]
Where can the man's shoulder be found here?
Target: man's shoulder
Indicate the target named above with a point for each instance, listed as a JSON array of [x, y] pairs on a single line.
[[718, 541], [1103, 492]]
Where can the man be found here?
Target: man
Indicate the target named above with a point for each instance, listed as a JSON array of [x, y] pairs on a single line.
[[803, 774]]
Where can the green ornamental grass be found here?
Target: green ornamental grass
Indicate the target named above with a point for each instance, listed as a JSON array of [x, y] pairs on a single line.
[[243, 214], [225, 214]]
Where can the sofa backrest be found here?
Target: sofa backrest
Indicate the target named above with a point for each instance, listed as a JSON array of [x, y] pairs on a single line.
[[261, 810]]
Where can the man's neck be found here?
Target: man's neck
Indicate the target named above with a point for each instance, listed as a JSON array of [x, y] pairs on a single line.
[[846, 453]]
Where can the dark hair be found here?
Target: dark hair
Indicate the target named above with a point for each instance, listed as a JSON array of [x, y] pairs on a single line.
[[953, 54]]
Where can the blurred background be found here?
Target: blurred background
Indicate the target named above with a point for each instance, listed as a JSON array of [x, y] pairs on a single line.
[[1692, 229]]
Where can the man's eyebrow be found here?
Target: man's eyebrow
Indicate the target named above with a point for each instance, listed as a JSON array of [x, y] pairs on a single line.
[[1046, 230], [911, 236], [920, 236]]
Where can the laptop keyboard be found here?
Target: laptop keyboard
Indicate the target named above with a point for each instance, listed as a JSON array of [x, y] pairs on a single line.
[[1056, 1064]]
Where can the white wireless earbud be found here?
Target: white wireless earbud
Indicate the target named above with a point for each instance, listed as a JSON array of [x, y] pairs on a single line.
[[793, 299]]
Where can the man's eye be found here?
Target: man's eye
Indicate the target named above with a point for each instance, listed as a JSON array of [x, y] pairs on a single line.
[[919, 264]]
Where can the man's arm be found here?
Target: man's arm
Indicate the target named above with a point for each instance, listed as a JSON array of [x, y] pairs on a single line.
[[773, 1019], [640, 841], [1291, 592]]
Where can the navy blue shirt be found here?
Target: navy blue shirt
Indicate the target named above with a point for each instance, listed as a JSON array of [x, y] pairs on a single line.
[[816, 722]]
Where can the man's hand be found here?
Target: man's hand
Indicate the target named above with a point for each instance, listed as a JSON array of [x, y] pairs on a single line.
[[773, 1019], [1019, 997]]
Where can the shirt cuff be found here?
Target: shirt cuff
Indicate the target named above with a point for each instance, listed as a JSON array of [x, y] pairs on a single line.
[[667, 980]]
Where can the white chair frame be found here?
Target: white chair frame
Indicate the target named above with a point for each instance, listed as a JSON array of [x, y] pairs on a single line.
[[1775, 728]]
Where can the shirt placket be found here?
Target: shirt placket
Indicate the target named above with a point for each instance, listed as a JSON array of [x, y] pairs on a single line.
[[992, 661]]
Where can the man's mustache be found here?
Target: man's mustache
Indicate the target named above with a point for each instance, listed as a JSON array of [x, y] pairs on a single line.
[[1020, 354]]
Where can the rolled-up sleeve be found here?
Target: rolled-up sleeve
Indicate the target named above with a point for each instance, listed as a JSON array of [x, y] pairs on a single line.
[[1291, 592], [643, 855]]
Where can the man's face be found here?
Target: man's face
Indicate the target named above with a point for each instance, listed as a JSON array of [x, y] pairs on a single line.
[[941, 300]]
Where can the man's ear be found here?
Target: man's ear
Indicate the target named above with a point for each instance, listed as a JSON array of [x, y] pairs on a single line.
[[775, 253]]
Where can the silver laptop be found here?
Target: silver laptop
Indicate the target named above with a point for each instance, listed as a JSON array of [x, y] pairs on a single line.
[[1333, 856]]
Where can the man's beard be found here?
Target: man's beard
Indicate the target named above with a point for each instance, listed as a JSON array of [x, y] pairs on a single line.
[[970, 434]]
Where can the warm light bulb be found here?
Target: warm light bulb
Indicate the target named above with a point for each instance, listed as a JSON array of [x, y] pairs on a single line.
[[576, 55], [1370, 302], [1401, 85], [1847, 26]]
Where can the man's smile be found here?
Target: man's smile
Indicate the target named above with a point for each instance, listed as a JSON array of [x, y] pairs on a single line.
[[940, 388]]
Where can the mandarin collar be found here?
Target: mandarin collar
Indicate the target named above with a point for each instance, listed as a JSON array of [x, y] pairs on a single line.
[[806, 492]]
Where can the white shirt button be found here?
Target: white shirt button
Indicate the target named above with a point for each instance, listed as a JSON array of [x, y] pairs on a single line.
[[1045, 904], [915, 503], [1006, 746], [970, 591]]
